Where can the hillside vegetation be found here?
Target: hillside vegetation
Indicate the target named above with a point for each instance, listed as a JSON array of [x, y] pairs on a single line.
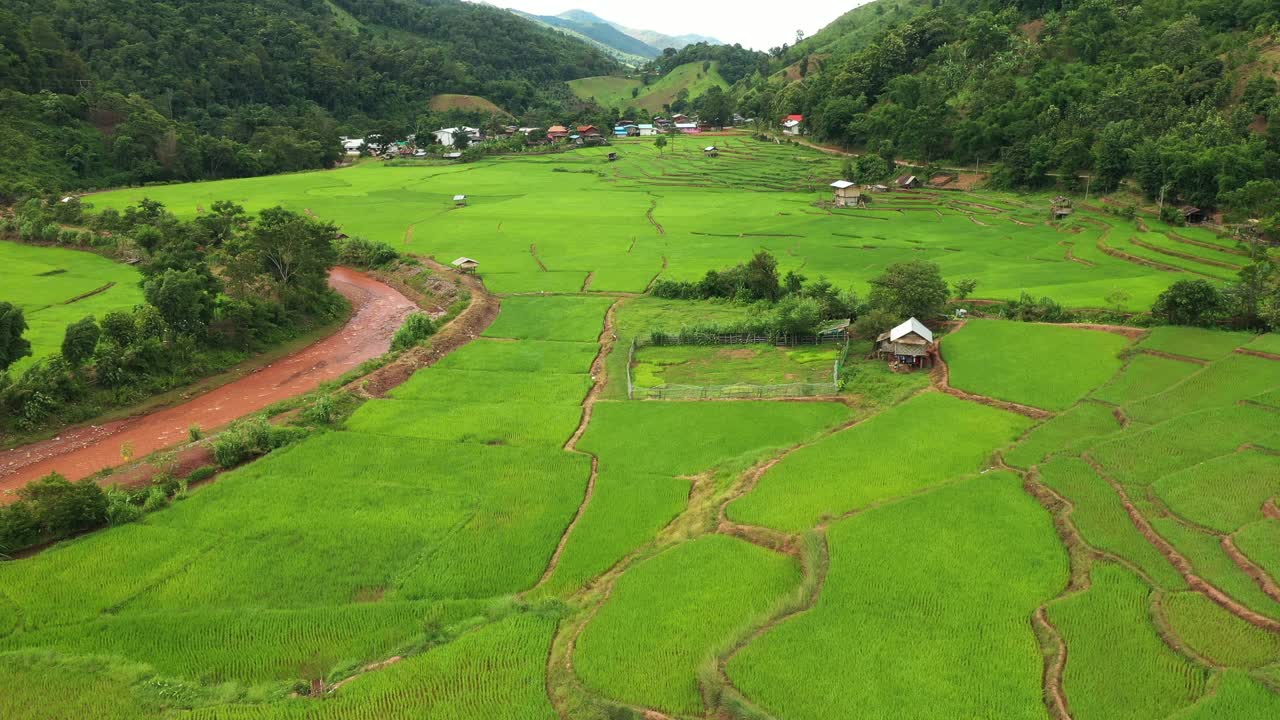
[[1178, 95], [687, 81], [113, 92]]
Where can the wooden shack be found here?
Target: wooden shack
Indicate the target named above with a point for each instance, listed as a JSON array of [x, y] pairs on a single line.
[[909, 182], [848, 194], [613, 156], [711, 151], [465, 265], [459, 200], [1193, 215], [910, 344], [1060, 208]]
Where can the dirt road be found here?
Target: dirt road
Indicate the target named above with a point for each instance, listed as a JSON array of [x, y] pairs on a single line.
[[79, 452]]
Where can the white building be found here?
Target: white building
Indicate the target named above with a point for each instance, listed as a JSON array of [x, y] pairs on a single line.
[[352, 145], [791, 127], [448, 136]]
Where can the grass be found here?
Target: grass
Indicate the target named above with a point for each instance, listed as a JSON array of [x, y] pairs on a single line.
[[1238, 697], [1074, 428], [1225, 493], [930, 597], [471, 103], [656, 366], [1269, 343], [1194, 342], [669, 614], [616, 92], [1212, 563], [894, 454], [1102, 521], [46, 282], [1260, 542], [1045, 366], [1117, 666], [1143, 376]]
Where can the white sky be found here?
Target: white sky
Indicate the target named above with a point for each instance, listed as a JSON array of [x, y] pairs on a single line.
[[756, 24]]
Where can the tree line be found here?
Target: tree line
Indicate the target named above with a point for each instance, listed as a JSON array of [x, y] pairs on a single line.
[[217, 288]]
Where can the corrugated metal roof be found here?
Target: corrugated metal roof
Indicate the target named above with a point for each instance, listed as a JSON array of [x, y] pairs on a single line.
[[912, 325], [463, 261], [841, 184]]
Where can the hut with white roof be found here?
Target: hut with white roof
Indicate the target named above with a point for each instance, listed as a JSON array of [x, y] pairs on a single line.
[[910, 344]]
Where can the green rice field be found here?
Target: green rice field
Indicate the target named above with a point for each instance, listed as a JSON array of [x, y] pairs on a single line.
[[56, 287], [506, 535]]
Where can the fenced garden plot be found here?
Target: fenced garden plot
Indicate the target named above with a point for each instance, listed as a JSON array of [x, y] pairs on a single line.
[[714, 367]]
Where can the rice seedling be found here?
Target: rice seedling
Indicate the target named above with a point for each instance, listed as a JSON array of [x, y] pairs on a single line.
[[1144, 375], [1045, 366], [1070, 431], [1227, 381], [1194, 342], [671, 613], [1212, 563], [574, 319], [1238, 697], [1218, 635], [1102, 521], [1224, 493], [1117, 666], [952, 574], [893, 454], [1260, 542]]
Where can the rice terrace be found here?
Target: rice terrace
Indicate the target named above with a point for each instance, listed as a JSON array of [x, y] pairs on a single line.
[[1071, 520]]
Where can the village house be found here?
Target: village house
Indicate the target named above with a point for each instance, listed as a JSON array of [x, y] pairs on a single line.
[[645, 130], [680, 118], [352, 145], [688, 128], [848, 194], [908, 182], [465, 264], [791, 124], [557, 132], [910, 344], [588, 130], [449, 136]]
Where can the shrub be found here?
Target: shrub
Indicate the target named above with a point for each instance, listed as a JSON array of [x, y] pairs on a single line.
[[416, 328], [195, 433], [60, 507], [364, 253], [156, 499], [243, 440], [204, 472], [18, 527], [1189, 302], [321, 412], [121, 509]]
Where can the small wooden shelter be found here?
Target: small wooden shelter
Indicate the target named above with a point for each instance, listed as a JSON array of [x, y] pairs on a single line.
[[848, 194], [910, 344], [1192, 214], [909, 182], [465, 264], [613, 156], [459, 200], [1061, 208], [711, 151]]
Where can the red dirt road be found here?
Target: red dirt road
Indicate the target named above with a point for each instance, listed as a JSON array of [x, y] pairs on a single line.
[[81, 451]]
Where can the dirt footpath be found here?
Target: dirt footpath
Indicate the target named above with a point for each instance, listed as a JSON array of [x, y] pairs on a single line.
[[79, 452]]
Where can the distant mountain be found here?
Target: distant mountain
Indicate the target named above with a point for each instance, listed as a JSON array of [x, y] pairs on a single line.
[[626, 44], [597, 32]]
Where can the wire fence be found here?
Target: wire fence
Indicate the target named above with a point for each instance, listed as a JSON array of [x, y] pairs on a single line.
[[747, 391]]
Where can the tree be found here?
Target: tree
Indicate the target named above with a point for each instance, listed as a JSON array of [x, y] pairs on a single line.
[[60, 507], [910, 289], [1188, 302], [293, 250], [182, 298], [13, 347], [964, 288], [660, 142], [761, 277], [717, 106], [80, 340], [461, 140]]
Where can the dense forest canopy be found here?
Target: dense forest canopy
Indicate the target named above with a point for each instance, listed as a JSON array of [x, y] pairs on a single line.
[[106, 92], [1178, 94]]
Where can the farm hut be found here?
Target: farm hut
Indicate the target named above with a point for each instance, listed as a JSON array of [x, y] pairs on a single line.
[[910, 343], [1060, 208], [459, 200], [835, 330], [646, 130], [711, 151], [1192, 214], [878, 188], [908, 182], [613, 156], [465, 264], [848, 194]]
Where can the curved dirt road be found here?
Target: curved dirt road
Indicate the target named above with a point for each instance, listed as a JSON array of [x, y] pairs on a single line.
[[82, 451]]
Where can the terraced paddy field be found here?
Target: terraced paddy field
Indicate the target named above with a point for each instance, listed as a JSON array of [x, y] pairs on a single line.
[[1068, 523], [575, 222], [56, 287]]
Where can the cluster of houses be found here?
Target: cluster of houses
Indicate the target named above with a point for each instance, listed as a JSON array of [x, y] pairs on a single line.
[[851, 194]]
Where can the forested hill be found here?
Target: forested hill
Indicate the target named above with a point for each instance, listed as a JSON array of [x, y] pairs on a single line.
[[1178, 95], [104, 92]]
